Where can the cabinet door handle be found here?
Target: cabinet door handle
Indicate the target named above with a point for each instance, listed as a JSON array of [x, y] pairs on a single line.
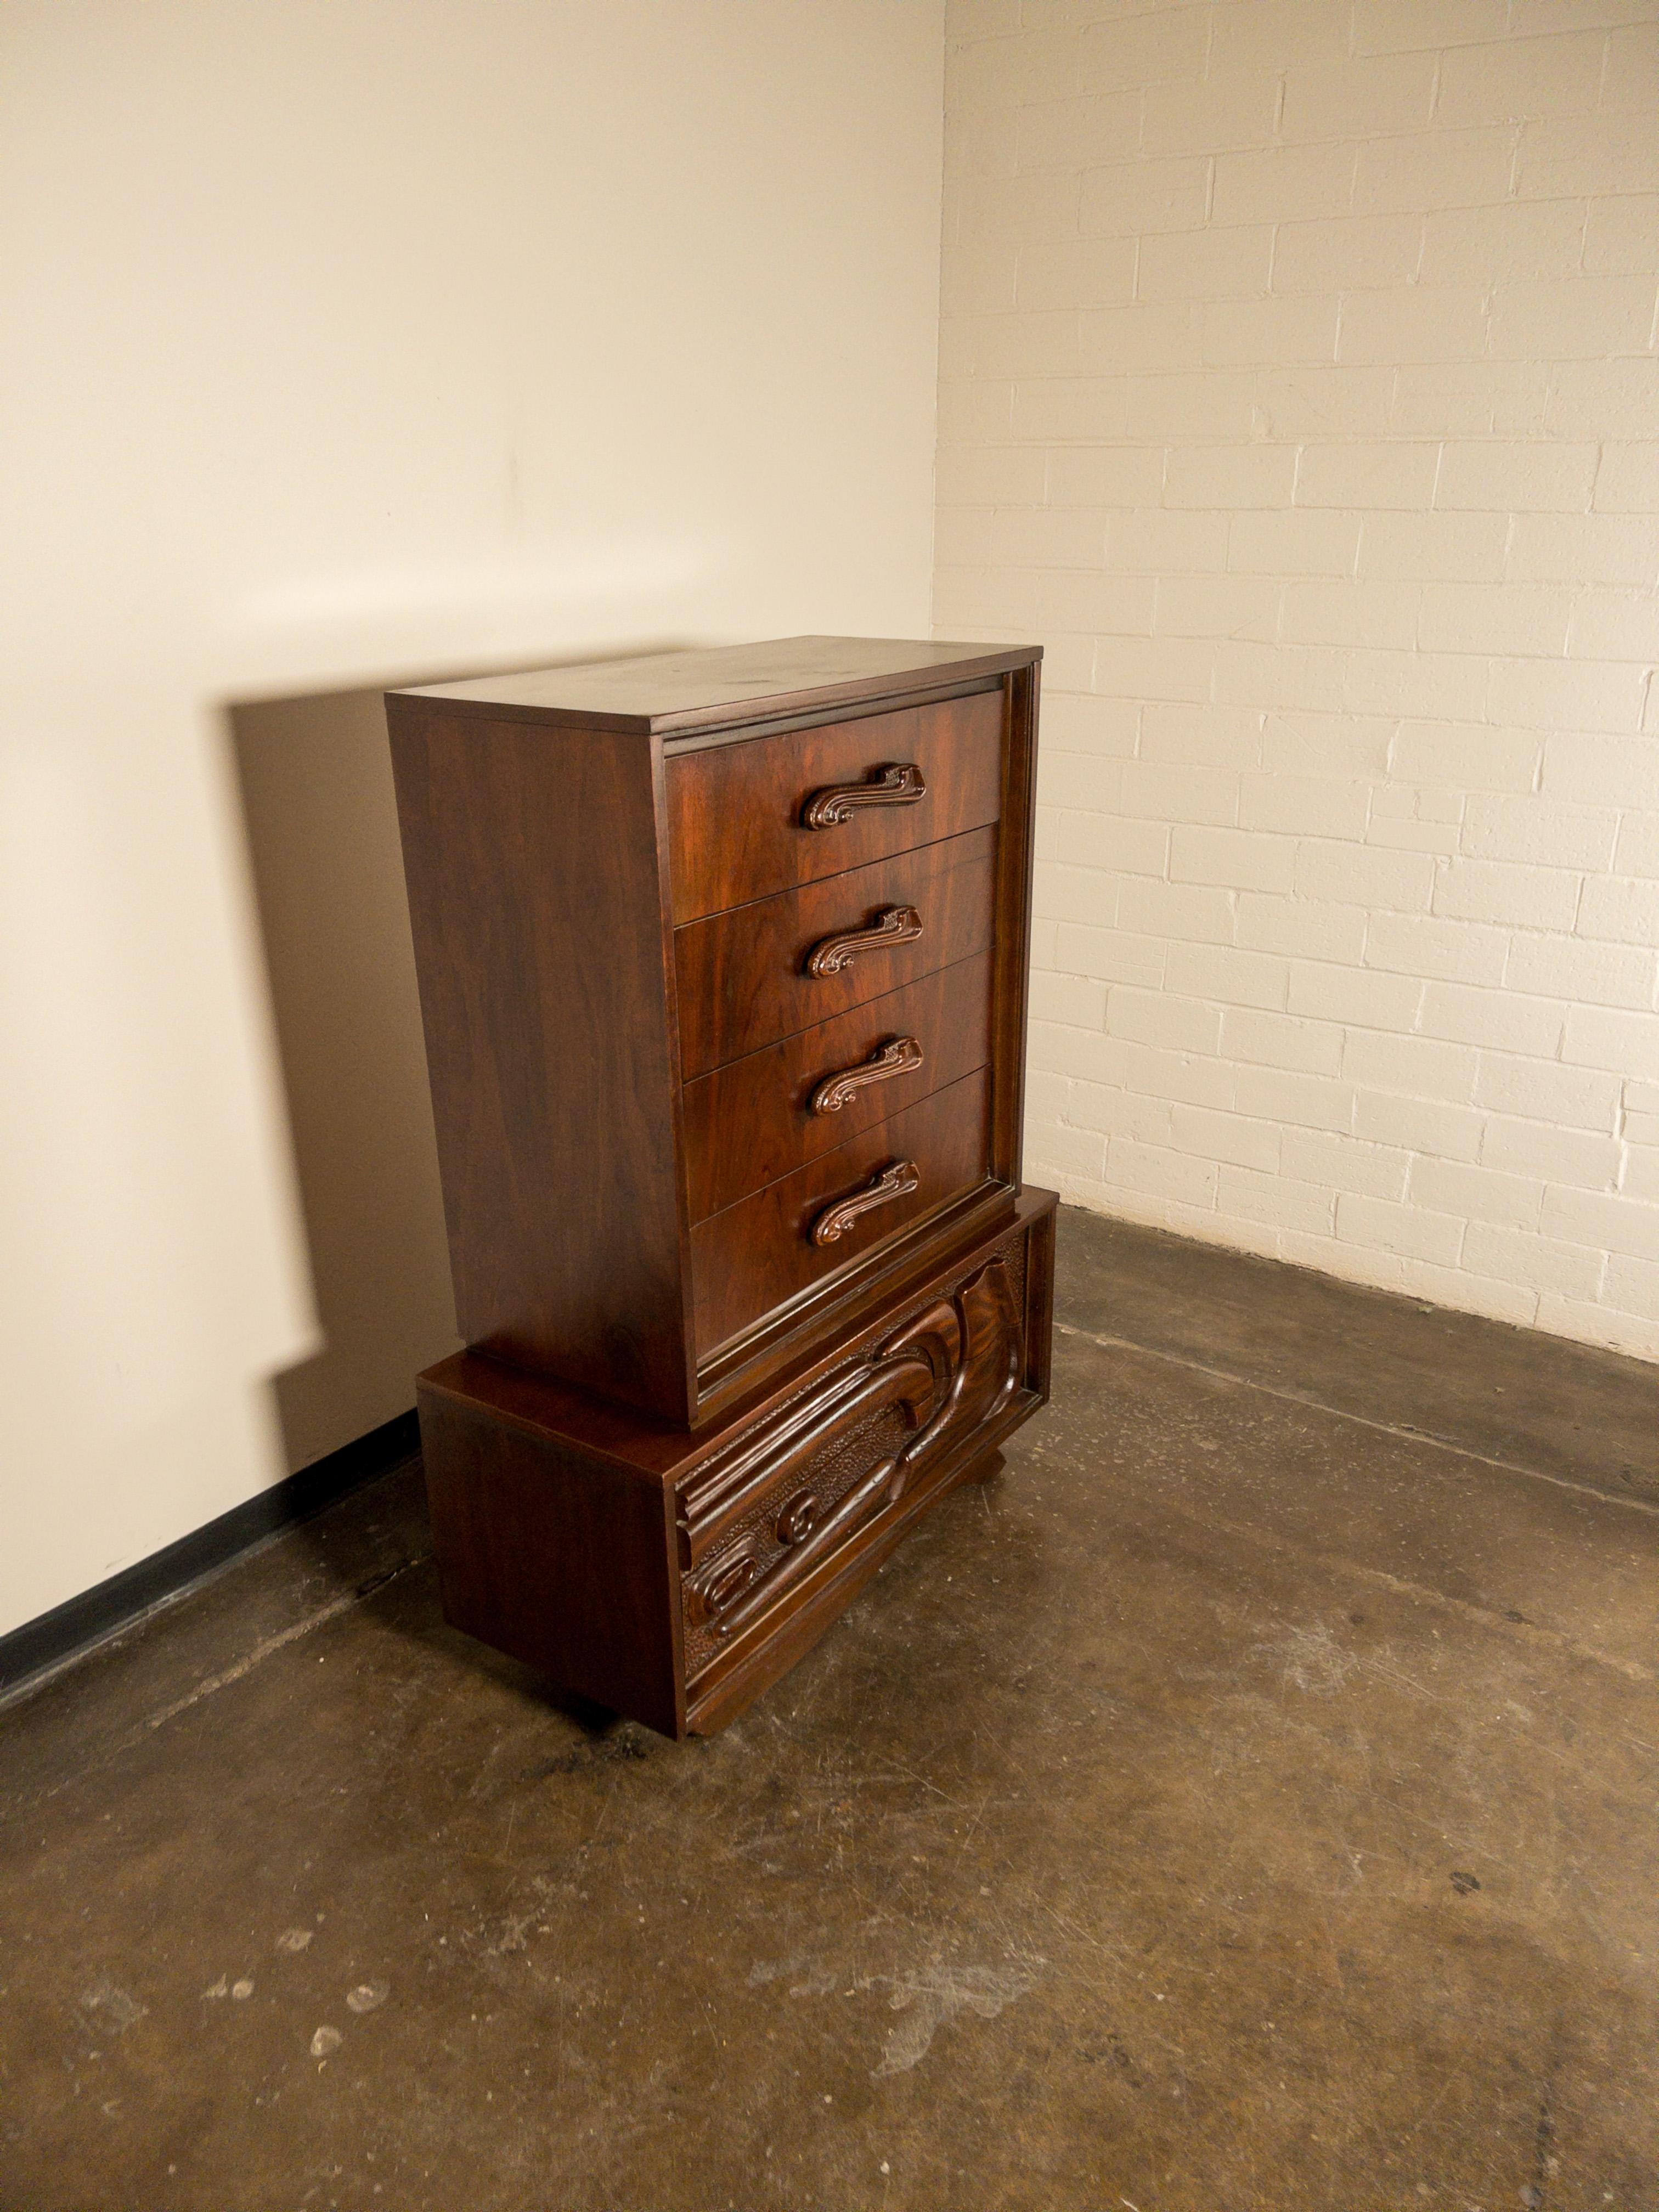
[[898, 1056], [893, 924], [896, 1181], [897, 784]]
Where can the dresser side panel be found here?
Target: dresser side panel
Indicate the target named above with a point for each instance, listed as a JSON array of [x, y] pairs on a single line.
[[533, 864]]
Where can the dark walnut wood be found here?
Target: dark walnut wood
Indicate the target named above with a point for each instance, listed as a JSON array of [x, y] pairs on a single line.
[[674, 1575], [758, 1117], [747, 819], [745, 977], [722, 960], [750, 1257]]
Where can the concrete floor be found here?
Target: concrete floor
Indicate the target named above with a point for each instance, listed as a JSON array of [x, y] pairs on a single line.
[[1247, 1800]]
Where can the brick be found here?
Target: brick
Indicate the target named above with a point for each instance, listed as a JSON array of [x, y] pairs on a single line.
[[1346, 747], [1229, 476], [1281, 182], [1071, 407], [1392, 474], [1184, 1077], [1325, 1157], [1300, 929], [1078, 722], [1225, 1137], [1544, 1149], [1575, 694], [1515, 477], [1427, 1067], [1225, 973], [1076, 999], [1361, 876], [1540, 1090], [1585, 548], [1479, 399], [1163, 544], [1628, 481], [1504, 826], [1151, 668], [1614, 626], [1289, 542], [1580, 317], [1269, 331], [1272, 1040], [1637, 850], [1418, 1125], [1232, 858], [1495, 618], [1513, 79], [1624, 908], [1159, 1017], [1276, 1199], [1075, 133], [1413, 323], [1061, 1151], [1602, 974], [1154, 1168], [1075, 272], [1139, 50], [1423, 945], [1130, 199], [1354, 996], [1477, 1193], [1508, 891], [1008, 476], [1348, 612], [1245, 674], [1415, 685], [1231, 263], [1108, 475], [1384, 27], [1025, 536], [1217, 606], [1100, 841], [1211, 403], [1630, 83], [1419, 171], [1165, 909], [1602, 399], [1227, 737], [1465, 757], [1001, 72], [1248, 34], [1314, 806], [1042, 204], [1237, 109], [1347, 253], [1517, 1255], [1524, 240], [1368, 97], [1310, 1102], [1110, 955], [1161, 334], [1603, 1220], [1505, 1020], [1435, 547], [1619, 234], [1601, 771], [1584, 153], [1408, 1230], [1318, 396], [1603, 1037]]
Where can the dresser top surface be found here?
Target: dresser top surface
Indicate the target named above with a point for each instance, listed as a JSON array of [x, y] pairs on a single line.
[[668, 693]]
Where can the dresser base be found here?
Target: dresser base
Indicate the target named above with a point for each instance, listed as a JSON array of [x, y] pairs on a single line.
[[673, 1575]]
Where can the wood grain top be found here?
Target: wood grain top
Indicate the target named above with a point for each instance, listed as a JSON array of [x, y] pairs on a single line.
[[664, 693]]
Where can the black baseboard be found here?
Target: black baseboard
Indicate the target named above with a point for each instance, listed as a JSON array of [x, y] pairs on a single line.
[[95, 1614]]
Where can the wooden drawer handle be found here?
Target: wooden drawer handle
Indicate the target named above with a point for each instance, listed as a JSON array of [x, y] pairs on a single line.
[[893, 924], [896, 1181], [898, 784], [898, 1056]]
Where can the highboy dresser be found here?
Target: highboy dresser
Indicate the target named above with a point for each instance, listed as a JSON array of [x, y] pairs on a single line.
[[722, 961]]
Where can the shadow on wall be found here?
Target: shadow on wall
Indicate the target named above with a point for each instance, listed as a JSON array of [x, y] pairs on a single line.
[[322, 828]]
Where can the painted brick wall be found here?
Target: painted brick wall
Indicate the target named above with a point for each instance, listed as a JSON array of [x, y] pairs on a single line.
[[1298, 391]]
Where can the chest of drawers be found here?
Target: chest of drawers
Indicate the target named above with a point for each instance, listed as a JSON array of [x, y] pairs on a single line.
[[722, 961]]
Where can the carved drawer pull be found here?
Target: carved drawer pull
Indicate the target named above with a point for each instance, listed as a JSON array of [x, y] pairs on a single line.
[[898, 1056], [893, 924], [896, 1181], [898, 784]]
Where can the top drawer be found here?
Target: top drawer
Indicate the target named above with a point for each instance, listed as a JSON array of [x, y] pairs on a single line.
[[741, 817]]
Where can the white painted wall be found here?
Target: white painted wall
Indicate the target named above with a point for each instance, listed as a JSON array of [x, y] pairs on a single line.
[[1298, 389], [340, 345]]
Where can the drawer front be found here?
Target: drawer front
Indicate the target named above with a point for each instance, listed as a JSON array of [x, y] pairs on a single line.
[[748, 978], [756, 1254], [741, 815], [761, 1116], [808, 1488]]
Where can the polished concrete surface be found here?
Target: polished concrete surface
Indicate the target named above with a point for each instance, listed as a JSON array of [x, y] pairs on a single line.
[[1248, 1800]]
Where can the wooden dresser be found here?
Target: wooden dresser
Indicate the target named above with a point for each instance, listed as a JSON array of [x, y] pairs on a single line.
[[722, 962]]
